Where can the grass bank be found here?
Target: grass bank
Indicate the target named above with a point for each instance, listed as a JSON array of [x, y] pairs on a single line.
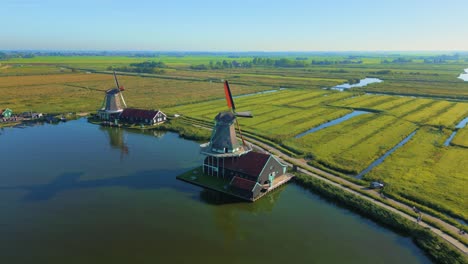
[[436, 248]]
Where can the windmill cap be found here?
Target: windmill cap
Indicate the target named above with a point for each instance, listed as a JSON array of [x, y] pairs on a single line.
[[226, 117], [113, 91]]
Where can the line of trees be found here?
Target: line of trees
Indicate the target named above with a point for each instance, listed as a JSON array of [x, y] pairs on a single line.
[[142, 67], [330, 62]]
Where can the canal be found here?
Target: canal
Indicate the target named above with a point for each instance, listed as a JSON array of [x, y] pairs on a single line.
[[79, 193]]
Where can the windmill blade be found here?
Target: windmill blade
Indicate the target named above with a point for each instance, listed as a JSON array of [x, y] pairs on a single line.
[[244, 114], [229, 100], [116, 81], [240, 133], [121, 96]]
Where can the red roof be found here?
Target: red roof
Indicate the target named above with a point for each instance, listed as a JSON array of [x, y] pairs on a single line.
[[242, 183], [139, 113], [251, 163]]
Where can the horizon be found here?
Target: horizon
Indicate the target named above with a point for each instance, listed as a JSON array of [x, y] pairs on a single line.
[[209, 26]]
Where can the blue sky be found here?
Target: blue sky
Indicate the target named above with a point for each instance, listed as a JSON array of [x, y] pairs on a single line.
[[241, 25]]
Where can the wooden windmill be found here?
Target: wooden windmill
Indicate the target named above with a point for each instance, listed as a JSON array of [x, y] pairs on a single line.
[[223, 142], [113, 103]]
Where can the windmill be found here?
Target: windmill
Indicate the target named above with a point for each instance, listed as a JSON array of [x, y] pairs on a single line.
[[223, 142], [113, 103]]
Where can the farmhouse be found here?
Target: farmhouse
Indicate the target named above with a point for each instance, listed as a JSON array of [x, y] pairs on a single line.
[[249, 174], [141, 116], [7, 113]]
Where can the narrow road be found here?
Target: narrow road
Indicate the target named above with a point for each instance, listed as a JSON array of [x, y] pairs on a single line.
[[340, 182]]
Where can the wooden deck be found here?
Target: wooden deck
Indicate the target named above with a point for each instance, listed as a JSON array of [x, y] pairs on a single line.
[[219, 184], [277, 182]]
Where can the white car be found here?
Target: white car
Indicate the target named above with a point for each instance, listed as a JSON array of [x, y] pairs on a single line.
[[376, 185]]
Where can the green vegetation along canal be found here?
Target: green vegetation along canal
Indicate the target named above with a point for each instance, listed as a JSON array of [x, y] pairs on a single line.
[[79, 193]]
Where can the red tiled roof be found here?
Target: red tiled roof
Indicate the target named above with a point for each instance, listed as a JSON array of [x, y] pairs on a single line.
[[251, 163], [242, 183], [139, 113]]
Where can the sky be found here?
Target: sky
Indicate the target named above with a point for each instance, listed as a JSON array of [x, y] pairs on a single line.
[[239, 25]]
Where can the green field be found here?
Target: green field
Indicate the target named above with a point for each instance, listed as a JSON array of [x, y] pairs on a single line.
[[425, 171], [461, 138], [415, 95]]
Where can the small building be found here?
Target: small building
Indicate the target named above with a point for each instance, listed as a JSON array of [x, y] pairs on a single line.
[[249, 174], [7, 113], [142, 116], [32, 115]]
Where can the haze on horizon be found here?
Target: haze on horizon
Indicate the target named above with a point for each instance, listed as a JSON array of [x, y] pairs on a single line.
[[208, 25]]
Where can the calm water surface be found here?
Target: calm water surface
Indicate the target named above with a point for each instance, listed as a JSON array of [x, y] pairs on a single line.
[[333, 122], [361, 83], [464, 76], [79, 193]]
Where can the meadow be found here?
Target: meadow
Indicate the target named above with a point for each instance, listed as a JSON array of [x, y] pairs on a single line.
[[415, 95], [461, 138], [425, 171], [351, 146]]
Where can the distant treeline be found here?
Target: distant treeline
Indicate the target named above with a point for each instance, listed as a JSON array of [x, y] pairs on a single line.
[[397, 60], [142, 67], [299, 62], [222, 65], [329, 62], [6, 56]]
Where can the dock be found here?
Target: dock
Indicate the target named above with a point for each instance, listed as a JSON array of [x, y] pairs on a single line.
[[220, 184]]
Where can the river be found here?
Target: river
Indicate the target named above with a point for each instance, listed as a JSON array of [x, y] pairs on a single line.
[[464, 76], [79, 193]]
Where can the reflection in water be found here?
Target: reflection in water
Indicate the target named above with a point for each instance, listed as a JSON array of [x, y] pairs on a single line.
[[117, 137], [156, 179], [228, 211]]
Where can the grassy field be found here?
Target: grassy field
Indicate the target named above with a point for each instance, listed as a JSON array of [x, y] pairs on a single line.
[[425, 171], [461, 138], [426, 97], [82, 92]]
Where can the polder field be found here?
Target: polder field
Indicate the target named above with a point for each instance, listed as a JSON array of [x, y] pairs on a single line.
[[415, 96]]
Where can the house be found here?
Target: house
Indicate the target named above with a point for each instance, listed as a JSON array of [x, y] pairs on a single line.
[[32, 115], [249, 174], [7, 113], [141, 116]]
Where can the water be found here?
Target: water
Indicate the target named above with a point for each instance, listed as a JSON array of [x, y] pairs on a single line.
[[361, 83], [464, 76], [333, 122], [461, 124], [381, 159], [256, 93], [447, 142], [79, 193]]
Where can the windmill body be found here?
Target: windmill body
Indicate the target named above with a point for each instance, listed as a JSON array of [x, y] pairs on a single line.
[[223, 142], [250, 174], [113, 104]]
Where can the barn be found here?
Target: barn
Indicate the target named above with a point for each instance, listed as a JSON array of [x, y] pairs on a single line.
[[7, 113], [249, 174], [142, 116]]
